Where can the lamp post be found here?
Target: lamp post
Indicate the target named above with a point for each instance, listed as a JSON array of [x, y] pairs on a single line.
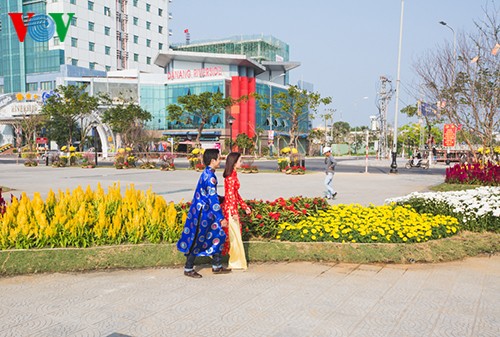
[[394, 165], [454, 46], [231, 120]]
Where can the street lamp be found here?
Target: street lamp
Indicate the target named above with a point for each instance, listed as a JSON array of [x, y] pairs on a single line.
[[454, 46], [231, 120], [394, 165]]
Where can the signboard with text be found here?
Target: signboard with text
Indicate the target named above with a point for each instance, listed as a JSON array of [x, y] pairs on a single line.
[[449, 135]]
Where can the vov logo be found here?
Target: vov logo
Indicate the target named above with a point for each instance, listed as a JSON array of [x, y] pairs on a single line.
[[41, 27]]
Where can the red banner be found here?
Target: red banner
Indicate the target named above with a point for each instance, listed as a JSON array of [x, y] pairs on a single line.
[[449, 135]]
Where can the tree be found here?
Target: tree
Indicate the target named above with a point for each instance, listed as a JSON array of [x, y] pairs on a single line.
[[29, 124], [429, 120], [465, 81], [315, 137], [340, 132], [296, 106], [244, 142], [198, 110], [126, 118], [63, 110]]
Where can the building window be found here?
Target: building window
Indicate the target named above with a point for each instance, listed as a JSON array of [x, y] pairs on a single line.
[[31, 86], [160, 46], [90, 5], [160, 12], [1, 89], [108, 68], [74, 42], [47, 85], [91, 46], [107, 11], [160, 29], [136, 21], [107, 31], [148, 60], [148, 7], [91, 26], [73, 21], [92, 65], [74, 62], [136, 39], [135, 3], [148, 25], [56, 41], [73, 2], [136, 57], [148, 43], [107, 50]]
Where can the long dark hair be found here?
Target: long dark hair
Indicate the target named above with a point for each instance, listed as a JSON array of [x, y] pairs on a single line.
[[231, 160]]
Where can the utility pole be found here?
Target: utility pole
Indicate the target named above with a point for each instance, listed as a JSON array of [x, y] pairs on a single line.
[[384, 98]]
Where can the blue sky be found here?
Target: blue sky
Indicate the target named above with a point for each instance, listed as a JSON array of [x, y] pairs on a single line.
[[343, 46]]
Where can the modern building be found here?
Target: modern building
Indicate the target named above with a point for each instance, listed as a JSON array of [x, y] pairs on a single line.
[[102, 36]]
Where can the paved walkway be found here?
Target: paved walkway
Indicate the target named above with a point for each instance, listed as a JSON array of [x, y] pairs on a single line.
[[286, 299], [296, 299]]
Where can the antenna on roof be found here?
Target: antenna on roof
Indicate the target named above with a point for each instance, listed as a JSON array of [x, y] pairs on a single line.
[[188, 37]]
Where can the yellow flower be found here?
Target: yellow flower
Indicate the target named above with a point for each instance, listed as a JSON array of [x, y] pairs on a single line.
[[313, 237], [294, 150]]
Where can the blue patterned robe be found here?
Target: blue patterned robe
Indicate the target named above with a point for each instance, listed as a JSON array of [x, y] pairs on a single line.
[[203, 234]]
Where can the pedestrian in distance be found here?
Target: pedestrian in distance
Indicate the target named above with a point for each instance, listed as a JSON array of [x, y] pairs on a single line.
[[203, 233], [232, 200], [330, 164]]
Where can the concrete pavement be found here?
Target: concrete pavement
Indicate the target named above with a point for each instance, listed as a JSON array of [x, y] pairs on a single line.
[[285, 299], [363, 188]]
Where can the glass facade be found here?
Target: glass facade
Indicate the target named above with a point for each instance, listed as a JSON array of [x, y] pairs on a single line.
[[155, 99], [24, 58], [257, 47]]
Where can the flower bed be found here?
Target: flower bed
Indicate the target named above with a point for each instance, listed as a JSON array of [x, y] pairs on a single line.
[[355, 223], [91, 218], [474, 174], [266, 216], [87, 218], [476, 209]]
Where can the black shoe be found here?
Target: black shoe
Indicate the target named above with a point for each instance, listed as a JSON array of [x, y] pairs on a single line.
[[334, 195], [193, 274], [221, 270]]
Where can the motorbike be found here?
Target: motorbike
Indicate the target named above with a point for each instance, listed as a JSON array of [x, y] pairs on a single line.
[[420, 163]]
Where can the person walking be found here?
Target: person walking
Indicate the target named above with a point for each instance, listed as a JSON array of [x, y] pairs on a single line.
[[203, 233], [330, 164], [232, 200]]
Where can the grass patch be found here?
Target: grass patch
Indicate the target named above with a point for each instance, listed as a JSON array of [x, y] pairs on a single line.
[[466, 244], [445, 187]]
